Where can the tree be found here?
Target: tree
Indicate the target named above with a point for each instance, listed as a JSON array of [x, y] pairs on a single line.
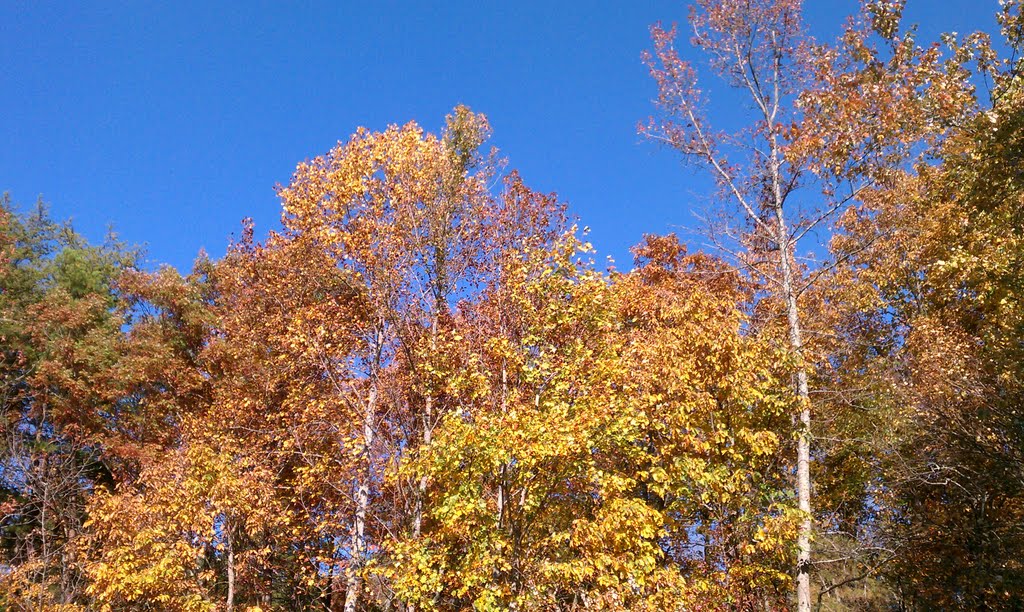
[[615, 443], [714, 407], [760, 49], [932, 256], [827, 123], [60, 339], [88, 405], [182, 536], [407, 214]]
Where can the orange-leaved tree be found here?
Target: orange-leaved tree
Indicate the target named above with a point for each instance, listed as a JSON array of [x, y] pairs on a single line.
[[820, 125]]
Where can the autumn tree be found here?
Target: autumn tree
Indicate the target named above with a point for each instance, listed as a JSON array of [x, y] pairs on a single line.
[[61, 346], [826, 123], [760, 49], [577, 470], [222, 512], [715, 409], [407, 214], [103, 373], [933, 258]]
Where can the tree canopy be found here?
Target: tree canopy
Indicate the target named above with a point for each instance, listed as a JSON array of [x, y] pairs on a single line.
[[421, 393]]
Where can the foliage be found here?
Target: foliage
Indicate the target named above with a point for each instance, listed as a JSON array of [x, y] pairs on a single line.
[[422, 394]]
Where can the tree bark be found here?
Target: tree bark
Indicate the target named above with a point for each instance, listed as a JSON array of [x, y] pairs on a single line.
[[504, 467], [428, 417], [803, 459], [428, 432], [230, 603], [358, 544]]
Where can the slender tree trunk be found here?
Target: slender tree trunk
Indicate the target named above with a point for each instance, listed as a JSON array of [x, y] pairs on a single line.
[[231, 565], [428, 432], [504, 468], [796, 344], [358, 545], [803, 459], [428, 417]]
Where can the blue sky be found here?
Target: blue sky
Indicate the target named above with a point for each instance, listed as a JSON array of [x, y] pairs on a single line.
[[174, 121]]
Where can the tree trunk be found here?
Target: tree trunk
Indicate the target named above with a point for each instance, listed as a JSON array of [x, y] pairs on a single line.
[[358, 545], [231, 565], [428, 417], [504, 468], [803, 458], [428, 431]]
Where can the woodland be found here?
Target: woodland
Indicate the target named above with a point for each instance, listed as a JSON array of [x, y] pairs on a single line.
[[421, 393]]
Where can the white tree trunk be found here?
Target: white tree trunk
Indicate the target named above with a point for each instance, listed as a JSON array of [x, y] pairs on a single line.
[[358, 543], [803, 458], [230, 604], [428, 432]]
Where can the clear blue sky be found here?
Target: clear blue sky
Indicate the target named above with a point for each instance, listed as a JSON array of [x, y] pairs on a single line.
[[173, 121]]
